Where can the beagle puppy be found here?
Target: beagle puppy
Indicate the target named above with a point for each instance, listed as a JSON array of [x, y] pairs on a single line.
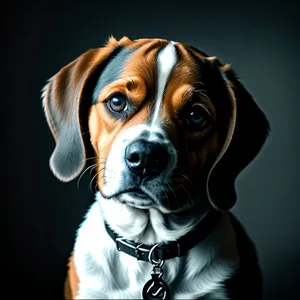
[[166, 129]]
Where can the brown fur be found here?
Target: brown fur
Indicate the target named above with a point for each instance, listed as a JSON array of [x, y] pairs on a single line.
[[72, 281]]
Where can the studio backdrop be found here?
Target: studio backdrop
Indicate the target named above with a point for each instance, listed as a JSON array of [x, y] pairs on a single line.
[[40, 215]]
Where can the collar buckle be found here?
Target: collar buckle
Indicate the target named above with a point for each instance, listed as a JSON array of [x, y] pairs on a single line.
[[120, 242], [139, 251]]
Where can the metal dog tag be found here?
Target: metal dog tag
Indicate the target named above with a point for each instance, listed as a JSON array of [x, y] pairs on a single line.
[[156, 288]]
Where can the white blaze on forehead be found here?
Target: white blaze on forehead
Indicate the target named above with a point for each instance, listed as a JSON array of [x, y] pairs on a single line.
[[165, 63]]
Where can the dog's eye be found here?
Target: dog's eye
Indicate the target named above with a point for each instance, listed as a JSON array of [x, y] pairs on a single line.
[[117, 103], [197, 116]]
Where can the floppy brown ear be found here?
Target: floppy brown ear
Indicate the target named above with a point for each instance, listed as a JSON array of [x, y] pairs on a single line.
[[247, 131], [66, 101]]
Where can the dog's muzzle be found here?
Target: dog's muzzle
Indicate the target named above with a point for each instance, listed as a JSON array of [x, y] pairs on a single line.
[[139, 167], [146, 159]]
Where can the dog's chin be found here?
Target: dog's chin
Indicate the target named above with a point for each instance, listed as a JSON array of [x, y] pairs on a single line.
[[142, 200], [145, 203], [136, 199], [138, 205]]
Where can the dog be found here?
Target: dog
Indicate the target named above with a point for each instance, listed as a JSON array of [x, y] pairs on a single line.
[[166, 130]]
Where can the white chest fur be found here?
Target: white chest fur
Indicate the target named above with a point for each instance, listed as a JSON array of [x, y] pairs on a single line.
[[106, 273]]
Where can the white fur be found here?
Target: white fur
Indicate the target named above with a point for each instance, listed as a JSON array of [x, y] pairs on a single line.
[[166, 62], [108, 274]]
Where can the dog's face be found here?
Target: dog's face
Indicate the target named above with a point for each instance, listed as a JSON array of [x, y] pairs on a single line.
[[152, 125], [161, 118]]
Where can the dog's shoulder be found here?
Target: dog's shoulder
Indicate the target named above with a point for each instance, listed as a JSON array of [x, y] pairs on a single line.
[[247, 282]]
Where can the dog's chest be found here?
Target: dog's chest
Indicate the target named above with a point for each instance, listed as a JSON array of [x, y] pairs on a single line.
[[105, 273], [129, 276], [126, 279]]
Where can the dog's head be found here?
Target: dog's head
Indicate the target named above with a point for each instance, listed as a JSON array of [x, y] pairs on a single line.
[[168, 125]]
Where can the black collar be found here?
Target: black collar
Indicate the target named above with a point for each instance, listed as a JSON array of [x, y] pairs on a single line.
[[161, 252]]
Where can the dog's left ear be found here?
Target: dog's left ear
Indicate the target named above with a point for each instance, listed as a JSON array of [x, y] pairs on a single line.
[[66, 100], [245, 135]]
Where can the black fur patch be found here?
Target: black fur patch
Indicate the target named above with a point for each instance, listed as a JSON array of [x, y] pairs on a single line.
[[112, 70]]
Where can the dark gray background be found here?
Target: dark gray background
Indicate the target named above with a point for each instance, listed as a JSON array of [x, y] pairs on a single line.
[[40, 214]]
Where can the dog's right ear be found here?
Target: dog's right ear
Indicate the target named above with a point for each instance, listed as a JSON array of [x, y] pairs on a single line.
[[66, 101]]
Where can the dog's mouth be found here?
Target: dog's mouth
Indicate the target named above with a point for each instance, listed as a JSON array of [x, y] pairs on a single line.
[[137, 193], [139, 205], [137, 198], [134, 197]]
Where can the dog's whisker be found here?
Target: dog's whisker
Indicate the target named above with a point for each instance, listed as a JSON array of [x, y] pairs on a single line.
[[187, 193], [166, 195], [83, 133], [96, 157], [188, 179], [96, 165], [100, 178], [97, 182], [90, 185], [89, 158], [174, 194], [92, 166]]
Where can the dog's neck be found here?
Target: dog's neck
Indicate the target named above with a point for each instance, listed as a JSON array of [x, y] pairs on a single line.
[[148, 226]]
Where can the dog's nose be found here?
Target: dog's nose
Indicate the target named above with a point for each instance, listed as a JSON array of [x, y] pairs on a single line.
[[146, 159]]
